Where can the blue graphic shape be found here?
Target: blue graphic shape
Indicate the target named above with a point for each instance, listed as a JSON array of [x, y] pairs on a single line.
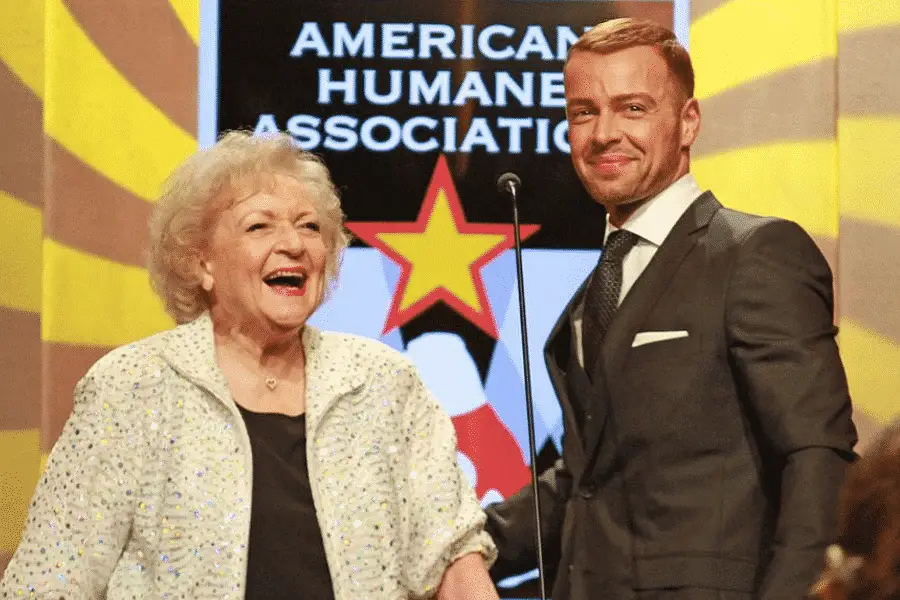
[[499, 277], [208, 74], [448, 371], [359, 303], [391, 272]]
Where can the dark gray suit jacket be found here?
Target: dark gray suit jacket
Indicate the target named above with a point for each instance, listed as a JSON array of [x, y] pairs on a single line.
[[705, 467]]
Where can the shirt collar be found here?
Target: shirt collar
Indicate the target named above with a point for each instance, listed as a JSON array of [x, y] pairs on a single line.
[[654, 219]]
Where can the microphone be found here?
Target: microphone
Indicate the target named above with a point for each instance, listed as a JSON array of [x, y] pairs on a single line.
[[509, 183]]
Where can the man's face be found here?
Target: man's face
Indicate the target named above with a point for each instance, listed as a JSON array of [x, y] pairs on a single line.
[[630, 124]]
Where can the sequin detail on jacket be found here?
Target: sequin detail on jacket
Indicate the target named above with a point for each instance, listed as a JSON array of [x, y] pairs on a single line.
[[147, 491]]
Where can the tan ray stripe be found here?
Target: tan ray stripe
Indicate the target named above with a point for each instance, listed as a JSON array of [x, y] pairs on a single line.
[[868, 62], [188, 12], [867, 428], [5, 557], [659, 12], [701, 7], [829, 248], [146, 42], [791, 105], [21, 124], [64, 365], [20, 463], [91, 213], [20, 369], [870, 279]]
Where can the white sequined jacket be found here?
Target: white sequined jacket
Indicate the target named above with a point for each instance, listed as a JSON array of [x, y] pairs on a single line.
[[147, 492]]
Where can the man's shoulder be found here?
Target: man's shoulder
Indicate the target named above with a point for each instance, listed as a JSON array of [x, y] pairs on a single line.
[[744, 234], [740, 224], [732, 227]]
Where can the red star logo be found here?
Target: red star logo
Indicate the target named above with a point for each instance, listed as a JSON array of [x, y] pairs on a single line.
[[440, 255]]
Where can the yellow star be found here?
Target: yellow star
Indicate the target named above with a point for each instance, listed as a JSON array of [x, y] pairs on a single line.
[[441, 256]]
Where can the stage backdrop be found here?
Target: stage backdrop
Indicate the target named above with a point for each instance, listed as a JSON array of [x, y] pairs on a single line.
[[417, 110]]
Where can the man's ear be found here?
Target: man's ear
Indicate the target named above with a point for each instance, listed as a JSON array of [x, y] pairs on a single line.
[[690, 123]]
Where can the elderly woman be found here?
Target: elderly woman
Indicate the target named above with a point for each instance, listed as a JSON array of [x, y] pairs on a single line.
[[864, 563], [246, 453]]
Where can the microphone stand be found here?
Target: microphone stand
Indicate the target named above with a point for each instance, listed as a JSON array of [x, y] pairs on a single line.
[[509, 184]]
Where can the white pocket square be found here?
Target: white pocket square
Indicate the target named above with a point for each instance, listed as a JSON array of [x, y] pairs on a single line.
[[651, 337]]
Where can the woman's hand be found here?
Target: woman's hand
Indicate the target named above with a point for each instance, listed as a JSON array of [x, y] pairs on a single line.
[[467, 579]]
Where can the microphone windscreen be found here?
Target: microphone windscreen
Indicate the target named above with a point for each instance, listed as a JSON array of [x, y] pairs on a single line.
[[507, 179]]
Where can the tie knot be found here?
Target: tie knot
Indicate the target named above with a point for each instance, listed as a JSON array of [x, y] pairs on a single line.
[[618, 244]]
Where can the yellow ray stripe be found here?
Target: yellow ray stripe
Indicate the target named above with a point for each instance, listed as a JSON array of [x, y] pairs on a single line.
[[188, 12], [20, 254], [91, 300], [859, 14], [100, 117], [745, 39], [19, 471], [871, 363], [794, 180], [22, 41], [868, 173]]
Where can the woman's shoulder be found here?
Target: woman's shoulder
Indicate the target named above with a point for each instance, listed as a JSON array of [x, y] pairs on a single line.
[[130, 364], [361, 351], [366, 359]]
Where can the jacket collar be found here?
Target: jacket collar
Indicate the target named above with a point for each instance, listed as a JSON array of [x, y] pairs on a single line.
[[653, 220], [190, 350], [696, 217]]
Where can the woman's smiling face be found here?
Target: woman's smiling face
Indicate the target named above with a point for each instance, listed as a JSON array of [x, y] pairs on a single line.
[[265, 265]]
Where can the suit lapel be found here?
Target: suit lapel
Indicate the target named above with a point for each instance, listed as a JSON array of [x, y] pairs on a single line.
[[651, 284], [558, 342], [640, 300], [558, 355], [643, 295]]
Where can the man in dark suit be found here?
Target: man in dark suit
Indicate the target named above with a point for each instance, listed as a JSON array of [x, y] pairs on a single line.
[[707, 417]]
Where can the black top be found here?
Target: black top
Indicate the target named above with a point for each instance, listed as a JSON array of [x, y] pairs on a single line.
[[286, 556]]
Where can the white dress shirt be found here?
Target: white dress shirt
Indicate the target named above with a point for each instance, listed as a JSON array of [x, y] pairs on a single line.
[[651, 222]]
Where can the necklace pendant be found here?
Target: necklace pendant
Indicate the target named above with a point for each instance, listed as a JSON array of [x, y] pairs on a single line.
[[271, 382]]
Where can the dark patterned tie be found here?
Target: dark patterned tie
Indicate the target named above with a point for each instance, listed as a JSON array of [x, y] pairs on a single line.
[[602, 297]]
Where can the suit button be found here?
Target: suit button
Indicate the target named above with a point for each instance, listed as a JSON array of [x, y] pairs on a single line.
[[571, 568], [586, 493]]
